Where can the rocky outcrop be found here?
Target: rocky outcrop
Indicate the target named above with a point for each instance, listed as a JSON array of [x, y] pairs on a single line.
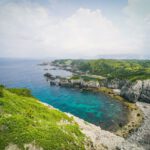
[[145, 94], [132, 91], [91, 84], [30, 146], [76, 83], [115, 83], [139, 90], [117, 91]]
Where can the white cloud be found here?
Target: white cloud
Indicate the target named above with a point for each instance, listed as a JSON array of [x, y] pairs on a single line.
[[138, 12], [88, 32], [31, 31]]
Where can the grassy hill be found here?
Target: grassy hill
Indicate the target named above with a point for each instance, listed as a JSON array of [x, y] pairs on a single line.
[[25, 123], [122, 69]]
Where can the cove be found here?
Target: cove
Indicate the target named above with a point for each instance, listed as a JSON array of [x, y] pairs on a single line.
[[95, 108]]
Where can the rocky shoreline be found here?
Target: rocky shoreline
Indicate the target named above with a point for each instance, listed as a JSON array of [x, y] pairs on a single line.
[[135, 115], [99, 139], [142, 136], [132, 91], [135, 134]]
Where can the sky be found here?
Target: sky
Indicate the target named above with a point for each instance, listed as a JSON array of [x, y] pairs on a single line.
[[74, 28]]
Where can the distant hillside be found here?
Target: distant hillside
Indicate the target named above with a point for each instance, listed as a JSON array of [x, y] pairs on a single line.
[[122, 69], [25, 123], [124, 56]]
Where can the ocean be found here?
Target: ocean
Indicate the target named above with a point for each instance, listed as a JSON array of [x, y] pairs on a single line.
[[95, 108]]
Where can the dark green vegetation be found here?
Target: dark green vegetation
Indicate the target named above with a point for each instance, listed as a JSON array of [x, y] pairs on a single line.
[[88, 78], [85, 78], [20, 91], [1, 90], [24, 120], [122, 69]]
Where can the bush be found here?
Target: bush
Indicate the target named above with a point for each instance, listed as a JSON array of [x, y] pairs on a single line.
[[75, 77], [1, 92], [21, 91], [2, 86]]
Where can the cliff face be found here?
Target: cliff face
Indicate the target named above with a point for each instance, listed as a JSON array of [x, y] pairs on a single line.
[[145, 94], [114, 84], [137, 91], [132, 91]]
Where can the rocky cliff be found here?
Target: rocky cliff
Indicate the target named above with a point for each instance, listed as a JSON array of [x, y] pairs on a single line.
[[132, 91]]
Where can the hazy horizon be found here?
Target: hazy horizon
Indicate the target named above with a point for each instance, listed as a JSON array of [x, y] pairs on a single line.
[[43, 29], [115, 57]]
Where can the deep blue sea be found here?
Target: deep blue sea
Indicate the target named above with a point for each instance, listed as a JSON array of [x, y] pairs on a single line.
[[95, 108]]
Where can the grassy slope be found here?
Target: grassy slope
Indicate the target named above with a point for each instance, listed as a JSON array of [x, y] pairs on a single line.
[[25, 120]]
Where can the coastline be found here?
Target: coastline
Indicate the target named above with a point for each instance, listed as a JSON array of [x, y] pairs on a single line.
[[142, 135], [135, 114], [106, 140], [136, 119]]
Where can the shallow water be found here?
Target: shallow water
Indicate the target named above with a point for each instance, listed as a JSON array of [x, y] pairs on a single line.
[[96, 108]]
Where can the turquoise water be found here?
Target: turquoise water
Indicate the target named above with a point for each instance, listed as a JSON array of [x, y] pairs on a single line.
[[95, 108]]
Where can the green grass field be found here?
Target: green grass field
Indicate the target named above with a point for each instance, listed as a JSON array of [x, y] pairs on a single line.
[[24, 120]]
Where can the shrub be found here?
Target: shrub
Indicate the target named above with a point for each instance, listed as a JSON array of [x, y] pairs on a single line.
[[2, 86], [75, 77], [1, 92], [21, 91]]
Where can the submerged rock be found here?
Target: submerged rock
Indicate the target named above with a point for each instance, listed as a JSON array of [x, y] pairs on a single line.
[[48, 75]]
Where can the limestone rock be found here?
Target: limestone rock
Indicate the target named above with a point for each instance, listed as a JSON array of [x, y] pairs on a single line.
[[139, 90], [145, 94], [132, 91]]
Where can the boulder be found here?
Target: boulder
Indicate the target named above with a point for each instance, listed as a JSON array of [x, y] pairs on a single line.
[[117, 91], [76, 81], [49, 76]]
